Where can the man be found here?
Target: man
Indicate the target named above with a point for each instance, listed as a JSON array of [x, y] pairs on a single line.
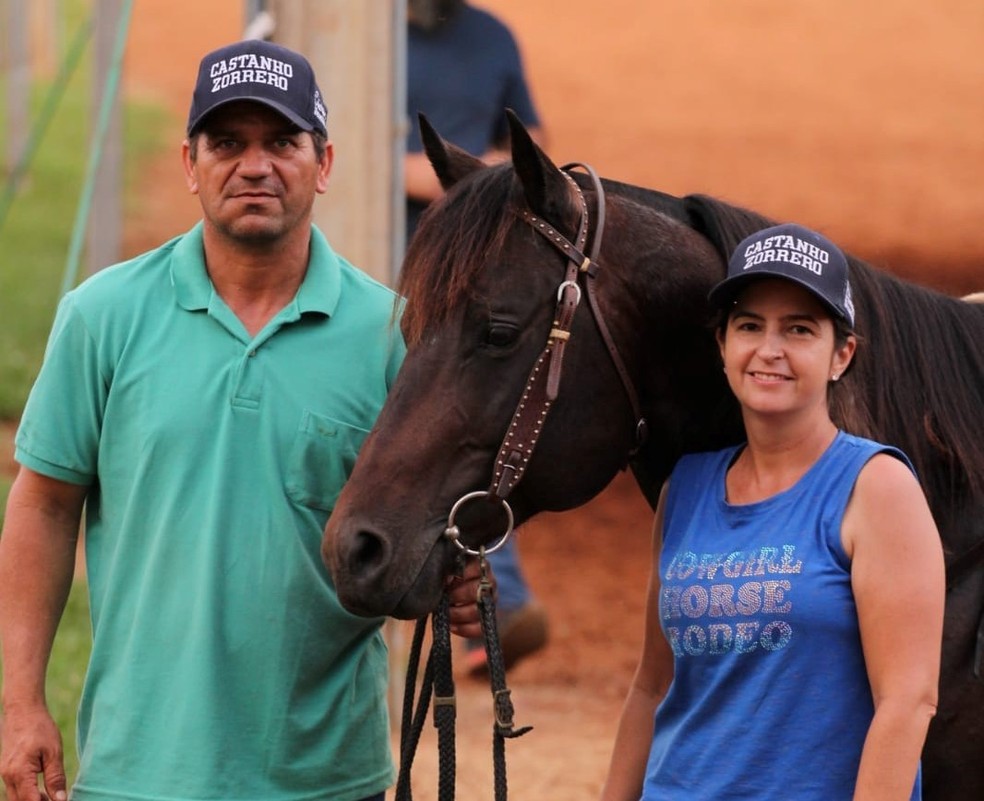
[[205, 402], [463, 71]]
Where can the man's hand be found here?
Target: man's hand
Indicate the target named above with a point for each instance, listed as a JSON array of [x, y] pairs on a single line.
[[463, 595], [30, 744]]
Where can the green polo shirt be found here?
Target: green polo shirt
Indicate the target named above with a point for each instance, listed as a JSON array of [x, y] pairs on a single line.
[[223, 666]]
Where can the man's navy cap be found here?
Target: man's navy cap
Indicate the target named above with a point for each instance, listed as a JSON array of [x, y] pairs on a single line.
[[796, 253], [262, 72]]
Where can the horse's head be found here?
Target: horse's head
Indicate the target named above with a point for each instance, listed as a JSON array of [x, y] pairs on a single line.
[[482, 287]]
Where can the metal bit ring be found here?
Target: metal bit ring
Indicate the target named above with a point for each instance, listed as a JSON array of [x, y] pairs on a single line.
[[453, 533]]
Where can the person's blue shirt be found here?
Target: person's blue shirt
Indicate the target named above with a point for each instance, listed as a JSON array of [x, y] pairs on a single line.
[[463, 76]]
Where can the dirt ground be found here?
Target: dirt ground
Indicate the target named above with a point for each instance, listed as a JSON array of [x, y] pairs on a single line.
[[827, 112]]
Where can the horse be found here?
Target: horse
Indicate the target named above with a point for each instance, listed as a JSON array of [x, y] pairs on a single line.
[[632, 381]]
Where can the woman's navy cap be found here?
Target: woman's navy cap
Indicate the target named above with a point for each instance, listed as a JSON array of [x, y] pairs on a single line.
[[261, 72], [796, 253]]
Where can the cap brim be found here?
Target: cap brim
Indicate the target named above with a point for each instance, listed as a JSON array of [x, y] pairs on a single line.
[[263, 101], [725, 293]]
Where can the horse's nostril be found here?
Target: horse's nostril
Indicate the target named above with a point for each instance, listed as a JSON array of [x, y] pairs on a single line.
[[367, 552]]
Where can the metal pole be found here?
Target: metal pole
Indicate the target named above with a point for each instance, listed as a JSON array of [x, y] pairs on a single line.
[[399, 124], [45, 36], [18, 71], [105, 229], [351, 44]]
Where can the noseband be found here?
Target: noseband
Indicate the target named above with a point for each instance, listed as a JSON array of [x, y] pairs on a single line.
[[543, 383]]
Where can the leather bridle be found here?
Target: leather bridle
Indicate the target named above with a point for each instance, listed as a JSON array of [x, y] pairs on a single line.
[[543, 382], [514, 455]]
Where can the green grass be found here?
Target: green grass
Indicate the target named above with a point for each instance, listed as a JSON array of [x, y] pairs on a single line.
[[36, 235], [34, 242], [5, 482]]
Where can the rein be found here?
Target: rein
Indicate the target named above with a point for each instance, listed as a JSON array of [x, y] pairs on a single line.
[[438, 681], [514, 454]]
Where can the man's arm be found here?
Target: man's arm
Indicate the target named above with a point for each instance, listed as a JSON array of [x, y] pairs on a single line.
[[37, 563], [421, 183]]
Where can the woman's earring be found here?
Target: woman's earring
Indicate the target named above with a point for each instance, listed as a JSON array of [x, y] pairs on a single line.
[[835, 376]]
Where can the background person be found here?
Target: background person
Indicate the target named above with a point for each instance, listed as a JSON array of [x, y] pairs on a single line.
[[205, 402], [463, 71], [795, 609]]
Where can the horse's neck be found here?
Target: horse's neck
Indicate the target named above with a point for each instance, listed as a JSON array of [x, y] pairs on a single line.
[[681, 427], [665, 270]]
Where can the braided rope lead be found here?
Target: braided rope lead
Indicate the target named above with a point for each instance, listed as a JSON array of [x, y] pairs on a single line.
[[438, 681], [445, 704], [411, 724], [502, 705]]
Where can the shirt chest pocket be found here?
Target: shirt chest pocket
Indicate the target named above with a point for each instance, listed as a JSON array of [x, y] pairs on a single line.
[[321, 459]]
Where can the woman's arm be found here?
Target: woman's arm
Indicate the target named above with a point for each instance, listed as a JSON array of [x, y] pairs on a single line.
[[649, 685], [898, 580]]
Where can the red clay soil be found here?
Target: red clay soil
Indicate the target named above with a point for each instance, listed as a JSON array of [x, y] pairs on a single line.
[[832, 113]]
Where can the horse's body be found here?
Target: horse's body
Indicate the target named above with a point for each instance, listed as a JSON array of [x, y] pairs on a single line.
[[481, 287]]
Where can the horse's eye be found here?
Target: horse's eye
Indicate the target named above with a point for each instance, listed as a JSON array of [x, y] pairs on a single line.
[[499, 335]]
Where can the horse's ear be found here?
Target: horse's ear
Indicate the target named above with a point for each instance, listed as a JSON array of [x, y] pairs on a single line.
[[451, 163], [544, 185]]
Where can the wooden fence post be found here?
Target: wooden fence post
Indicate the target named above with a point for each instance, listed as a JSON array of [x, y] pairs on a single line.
[[356, 49]]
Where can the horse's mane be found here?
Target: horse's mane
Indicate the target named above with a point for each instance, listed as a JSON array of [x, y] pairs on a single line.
[[454, 239], [919, 373]]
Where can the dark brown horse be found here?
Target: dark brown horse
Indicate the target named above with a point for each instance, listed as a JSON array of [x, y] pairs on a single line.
[[481, 285]]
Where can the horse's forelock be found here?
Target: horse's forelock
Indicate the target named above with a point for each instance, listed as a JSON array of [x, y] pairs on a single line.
[[457, 235]]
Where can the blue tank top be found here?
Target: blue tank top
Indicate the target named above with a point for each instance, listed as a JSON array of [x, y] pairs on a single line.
[[770, 697]]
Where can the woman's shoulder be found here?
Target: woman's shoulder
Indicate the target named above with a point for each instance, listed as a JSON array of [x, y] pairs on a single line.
[[867, 449], [886, 472], [887, 505]]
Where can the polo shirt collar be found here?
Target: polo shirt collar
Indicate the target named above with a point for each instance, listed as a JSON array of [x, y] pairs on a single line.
[[323, 280], [193, 289]]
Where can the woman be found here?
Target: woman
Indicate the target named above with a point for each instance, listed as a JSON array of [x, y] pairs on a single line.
[[794, 619]]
